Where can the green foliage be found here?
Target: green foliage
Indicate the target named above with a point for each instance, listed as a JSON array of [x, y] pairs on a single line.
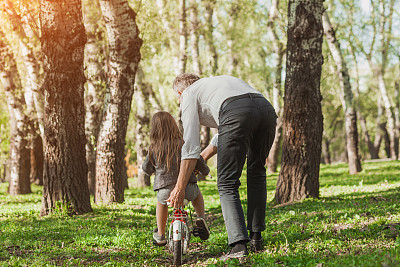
[[355, 222]]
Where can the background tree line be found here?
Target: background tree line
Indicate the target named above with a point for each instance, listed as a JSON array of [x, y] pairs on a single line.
[[94, 72]]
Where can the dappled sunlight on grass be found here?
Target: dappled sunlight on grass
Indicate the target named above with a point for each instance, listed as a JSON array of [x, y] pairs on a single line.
[[355, 222]]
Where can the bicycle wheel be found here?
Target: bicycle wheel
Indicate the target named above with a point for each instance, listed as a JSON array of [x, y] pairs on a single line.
[[177, 253]]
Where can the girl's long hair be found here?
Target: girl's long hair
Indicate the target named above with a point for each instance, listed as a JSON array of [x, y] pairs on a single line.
[[165, 140]]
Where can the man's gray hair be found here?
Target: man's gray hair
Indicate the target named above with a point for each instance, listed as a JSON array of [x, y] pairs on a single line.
[[183, 81]]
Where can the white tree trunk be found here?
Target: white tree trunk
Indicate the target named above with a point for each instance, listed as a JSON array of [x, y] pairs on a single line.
[[19, 161], [349, 106], [212, 57], [33, 95], [95, 84], [124, 56]]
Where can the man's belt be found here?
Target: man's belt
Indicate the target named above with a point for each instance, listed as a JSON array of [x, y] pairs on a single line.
[[234, 98]]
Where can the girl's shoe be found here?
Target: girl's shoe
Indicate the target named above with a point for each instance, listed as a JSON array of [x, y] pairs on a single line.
[[159, 240]]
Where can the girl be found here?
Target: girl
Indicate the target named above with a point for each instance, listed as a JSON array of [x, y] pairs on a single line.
[[164, 159]]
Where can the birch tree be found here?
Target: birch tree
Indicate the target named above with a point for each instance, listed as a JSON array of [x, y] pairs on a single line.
[[212, 56], [383, 35], [95, 57], [183, 38], [19, 159], [348, 105], [26, 43], [124, 56]]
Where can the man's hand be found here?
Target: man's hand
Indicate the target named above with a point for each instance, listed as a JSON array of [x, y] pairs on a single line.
[[176, 197], [178, 193]]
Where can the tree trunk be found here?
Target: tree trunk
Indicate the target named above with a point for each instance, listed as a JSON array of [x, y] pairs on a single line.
[[124, 55], [142, 127], [37, 161], [232, 61], [325, 151], [397, 115], [208, 37], [371, 148], [94, 95], [379, 132], [33, 95], [182, 57], [183, 36], [302, 117], [19, 160], [385, 37], [194, 36], [273, 156], [65, 171], [363, 123], [278, 48], [390, 118], [386, 138], [349, 105]]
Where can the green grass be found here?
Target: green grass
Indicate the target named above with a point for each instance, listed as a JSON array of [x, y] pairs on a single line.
[[352, 224]]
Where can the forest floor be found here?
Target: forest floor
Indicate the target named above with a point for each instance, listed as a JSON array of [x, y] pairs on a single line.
[[355, 222]]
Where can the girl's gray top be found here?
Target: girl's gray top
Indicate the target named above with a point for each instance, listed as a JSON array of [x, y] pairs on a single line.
[[200, 104], [164, 178]]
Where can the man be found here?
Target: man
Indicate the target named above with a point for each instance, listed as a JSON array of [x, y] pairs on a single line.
[[246, 124]]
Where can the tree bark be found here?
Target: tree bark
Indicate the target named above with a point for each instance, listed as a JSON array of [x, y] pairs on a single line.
[[183, 36], [194, 37], [65, 170], [349, 105], [19, 160], [232, 61], [385, 38], [302, 117], [142, 127], [37, 160], [208, 36], [397, 115], [386, 138], [363, 123], [379, 132], [325, 151], [124, 56], [95, 75]]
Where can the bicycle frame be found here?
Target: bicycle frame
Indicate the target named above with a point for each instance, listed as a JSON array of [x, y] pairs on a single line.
[[179, 234]]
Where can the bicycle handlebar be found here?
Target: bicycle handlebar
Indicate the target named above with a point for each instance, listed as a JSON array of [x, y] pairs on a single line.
[[185, 202]]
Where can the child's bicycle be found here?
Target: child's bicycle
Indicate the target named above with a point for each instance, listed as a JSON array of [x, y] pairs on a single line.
[[179, 233]]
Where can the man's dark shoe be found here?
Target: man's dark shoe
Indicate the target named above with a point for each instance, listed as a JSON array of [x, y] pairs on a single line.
[[201, 229], [232, 254], [256, 245]]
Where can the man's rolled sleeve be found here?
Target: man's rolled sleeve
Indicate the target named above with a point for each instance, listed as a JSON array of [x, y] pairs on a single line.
[[191, 127], [214, 141]]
